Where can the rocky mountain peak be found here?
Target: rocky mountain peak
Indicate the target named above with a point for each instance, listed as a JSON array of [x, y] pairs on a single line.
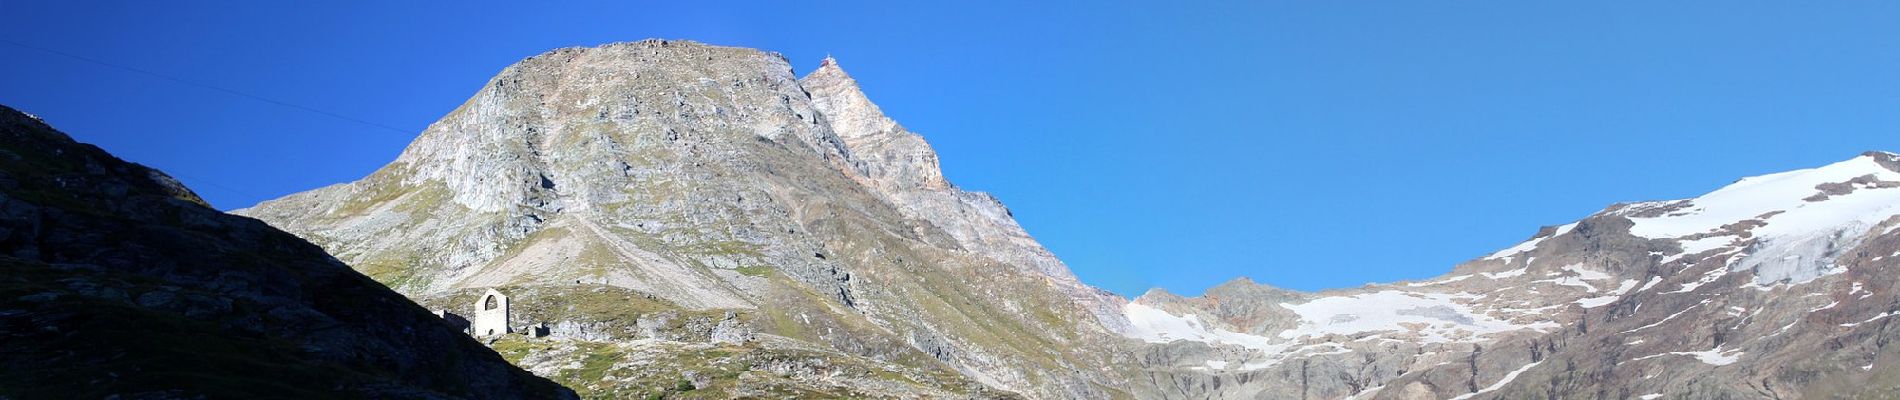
[[1238, 283], [564, 129], [887, 153], [1155, 295], [1888, 160], [712, 181]]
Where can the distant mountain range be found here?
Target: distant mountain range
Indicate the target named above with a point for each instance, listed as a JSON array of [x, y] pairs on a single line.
[[677, 219], [1774, 287]]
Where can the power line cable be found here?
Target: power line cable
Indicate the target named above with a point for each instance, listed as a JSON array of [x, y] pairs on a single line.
[[186, 82], [208, 87], [214, 184]]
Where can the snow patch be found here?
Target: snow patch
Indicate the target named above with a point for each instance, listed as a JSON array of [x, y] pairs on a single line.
[[1652, 283], [1875, 318], [1506, 274], [1829, 305], [1797, 239], [1500, 383], [1156, 326], [1797, 259], [1529, 245], [1698, 246], [1707, 278], [1670, 317], [1369, 391], [1577, 277], [1434, 315], [1784, 328], [1785, 192], [1586, 273], [1594, 302], [1439, 282], [1715, 356]]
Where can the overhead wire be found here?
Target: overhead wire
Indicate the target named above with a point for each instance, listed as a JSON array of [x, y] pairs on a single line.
[[206, 86], [215, 88]]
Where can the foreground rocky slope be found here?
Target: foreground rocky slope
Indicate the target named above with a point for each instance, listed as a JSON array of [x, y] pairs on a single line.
[[693, 220], [120, 282]]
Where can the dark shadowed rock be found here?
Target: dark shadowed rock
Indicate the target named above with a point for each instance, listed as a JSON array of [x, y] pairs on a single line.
[[120, 281]]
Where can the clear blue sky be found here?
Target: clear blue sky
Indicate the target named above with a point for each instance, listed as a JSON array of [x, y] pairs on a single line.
[[1304, 144]]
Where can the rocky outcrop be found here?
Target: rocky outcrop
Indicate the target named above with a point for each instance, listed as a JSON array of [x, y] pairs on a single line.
[[121, 283], [705, 180]]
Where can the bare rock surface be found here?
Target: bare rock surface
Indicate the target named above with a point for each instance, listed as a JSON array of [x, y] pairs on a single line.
[[707, 180]]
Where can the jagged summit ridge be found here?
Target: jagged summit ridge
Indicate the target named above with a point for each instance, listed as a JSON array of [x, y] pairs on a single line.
[[889, 154], [553, 143], [623, 86], [902, 167]]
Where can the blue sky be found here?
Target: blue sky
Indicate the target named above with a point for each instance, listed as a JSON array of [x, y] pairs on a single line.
[[1306, 145]]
